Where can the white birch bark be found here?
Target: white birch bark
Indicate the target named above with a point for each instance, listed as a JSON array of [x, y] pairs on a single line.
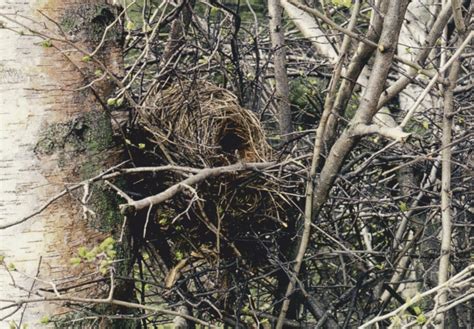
[[31, 101]]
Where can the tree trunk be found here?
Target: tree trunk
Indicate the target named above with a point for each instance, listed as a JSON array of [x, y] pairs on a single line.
[[51, 135], [282, 90]]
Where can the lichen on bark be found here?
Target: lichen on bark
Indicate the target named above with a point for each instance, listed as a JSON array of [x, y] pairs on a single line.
[[88, 22], [89, 136], [88, 133]]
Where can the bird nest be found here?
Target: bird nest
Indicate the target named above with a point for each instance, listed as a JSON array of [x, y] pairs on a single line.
[[201, 123]]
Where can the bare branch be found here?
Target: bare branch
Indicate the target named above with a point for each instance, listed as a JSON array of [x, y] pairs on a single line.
[[193, 180]]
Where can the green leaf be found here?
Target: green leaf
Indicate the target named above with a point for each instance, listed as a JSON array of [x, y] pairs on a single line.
[[75, 261], [11, 267], [214, 11], [46, 44], [104, 266], [141, 146], [426, 125], [90, 256], [111, 253], [130, 26], [44, 319], [163, 221], [82, 251], [347, 3], [178, 255], [421, 319], [86, 58], [112, 101], [417, 310], [98, 73], [146, 28], [107, 243], [403, 206]]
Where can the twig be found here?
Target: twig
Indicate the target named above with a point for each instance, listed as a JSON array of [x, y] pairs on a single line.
[[202, 175], [458, 278], [110, 301], [59, 195], [434, 80]]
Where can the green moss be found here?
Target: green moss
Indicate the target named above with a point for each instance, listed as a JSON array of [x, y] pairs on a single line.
[[352, 106], [105, 204], [68, 23], [99, 135], [87, 134], [302, 88], [83, 143], [90, 21]]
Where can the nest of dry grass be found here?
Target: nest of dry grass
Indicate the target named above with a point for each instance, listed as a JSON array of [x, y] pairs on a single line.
[[201, 123], [224, 225], [197, 124]]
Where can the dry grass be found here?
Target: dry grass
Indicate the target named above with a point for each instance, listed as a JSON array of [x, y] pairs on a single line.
[[204, 124]]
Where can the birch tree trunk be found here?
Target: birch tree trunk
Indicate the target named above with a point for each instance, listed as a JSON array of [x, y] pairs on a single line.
[[51, 135]]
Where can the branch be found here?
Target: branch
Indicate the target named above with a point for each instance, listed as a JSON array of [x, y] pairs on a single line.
[[356, 36], [446, 157], [368, 105], [457, 279], [282, 89], [59, 195], [202, 175], [457, 13], [433, 81], [395, 133], [436, 30], [354, 73], [110, 301], [318, 144]]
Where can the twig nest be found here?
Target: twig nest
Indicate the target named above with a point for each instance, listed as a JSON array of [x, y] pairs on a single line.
[[203, 123], [197, 124]]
